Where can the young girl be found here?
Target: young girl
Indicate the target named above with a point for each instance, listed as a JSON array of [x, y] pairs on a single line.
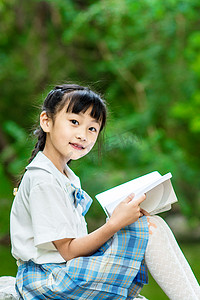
[[57, 258]]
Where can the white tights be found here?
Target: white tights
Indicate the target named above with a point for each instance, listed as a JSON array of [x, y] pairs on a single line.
[[167, 264]]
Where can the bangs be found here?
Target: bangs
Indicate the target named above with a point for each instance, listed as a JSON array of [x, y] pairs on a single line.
[[81, 101]]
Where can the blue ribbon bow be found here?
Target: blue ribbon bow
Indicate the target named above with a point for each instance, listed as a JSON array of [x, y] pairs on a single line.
[[82, 198]]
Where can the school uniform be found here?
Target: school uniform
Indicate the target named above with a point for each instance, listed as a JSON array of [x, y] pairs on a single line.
[[50, 206]]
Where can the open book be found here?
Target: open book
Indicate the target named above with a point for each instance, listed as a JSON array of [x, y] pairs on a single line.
[[158, 189]]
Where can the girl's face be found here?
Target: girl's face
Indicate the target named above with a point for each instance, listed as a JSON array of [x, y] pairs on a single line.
[[70, 136]]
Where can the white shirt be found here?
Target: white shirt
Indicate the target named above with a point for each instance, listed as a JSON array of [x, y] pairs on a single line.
[[43, 211]]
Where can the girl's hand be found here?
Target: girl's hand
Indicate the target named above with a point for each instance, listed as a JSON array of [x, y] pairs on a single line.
[[144, 212], [127, 212]]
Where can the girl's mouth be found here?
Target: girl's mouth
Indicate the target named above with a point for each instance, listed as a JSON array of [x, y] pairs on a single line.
[[77, 146]]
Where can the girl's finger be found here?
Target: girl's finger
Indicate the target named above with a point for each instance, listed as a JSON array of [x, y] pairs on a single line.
[[129, 198], [140, 199], [141, 214], [144, 212]]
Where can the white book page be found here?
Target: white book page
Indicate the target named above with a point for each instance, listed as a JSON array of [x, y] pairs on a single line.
[[133, 186], [160, 198]]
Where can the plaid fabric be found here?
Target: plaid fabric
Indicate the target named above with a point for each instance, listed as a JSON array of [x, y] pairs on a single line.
[[116, 271]]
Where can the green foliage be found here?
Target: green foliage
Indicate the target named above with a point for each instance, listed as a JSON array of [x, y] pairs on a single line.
[[15, 153], [142, 55], [8, 263]]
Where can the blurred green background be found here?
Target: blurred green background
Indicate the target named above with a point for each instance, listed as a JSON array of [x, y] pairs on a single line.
[[143, 56]]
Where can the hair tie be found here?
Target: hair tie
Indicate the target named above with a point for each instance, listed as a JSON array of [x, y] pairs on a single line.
[[15, 190]]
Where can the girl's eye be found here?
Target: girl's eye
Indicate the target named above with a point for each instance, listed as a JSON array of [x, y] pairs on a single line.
[[92, 129], [75, 122]]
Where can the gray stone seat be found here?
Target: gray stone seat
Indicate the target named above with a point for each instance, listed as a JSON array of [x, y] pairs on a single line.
[[7, 289]]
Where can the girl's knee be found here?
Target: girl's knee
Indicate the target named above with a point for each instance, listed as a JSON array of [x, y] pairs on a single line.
[[157, 222], [154, 222], [151, 223]]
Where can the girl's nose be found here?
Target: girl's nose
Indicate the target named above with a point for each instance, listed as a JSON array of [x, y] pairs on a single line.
[[81, 136]]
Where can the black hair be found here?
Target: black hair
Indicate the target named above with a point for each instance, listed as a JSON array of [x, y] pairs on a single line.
[[79, 99]]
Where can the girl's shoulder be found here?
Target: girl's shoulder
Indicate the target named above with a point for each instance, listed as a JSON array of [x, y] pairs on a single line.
[[33, 178], [41, 175], [38, 176], [42, 171]]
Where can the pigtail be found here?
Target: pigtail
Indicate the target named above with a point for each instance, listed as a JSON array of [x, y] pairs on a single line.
[[39, 146]]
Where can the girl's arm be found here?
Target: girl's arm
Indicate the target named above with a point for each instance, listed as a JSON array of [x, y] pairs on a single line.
[[126, 213]]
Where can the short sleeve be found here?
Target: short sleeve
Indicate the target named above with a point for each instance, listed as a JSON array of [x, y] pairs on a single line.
[[52, 214]]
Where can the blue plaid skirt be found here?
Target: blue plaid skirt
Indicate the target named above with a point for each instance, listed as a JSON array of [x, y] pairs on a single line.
[[116, 271]]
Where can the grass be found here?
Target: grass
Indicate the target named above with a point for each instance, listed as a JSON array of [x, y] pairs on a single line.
[[152, 291]]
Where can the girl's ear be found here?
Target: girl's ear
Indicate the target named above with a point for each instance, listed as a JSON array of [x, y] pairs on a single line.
[[45, 121]]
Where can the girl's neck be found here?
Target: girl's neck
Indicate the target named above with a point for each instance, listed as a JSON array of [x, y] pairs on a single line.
[[58, 163]]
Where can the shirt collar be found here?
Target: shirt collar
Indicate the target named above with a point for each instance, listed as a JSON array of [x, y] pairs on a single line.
[[42, 162]]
